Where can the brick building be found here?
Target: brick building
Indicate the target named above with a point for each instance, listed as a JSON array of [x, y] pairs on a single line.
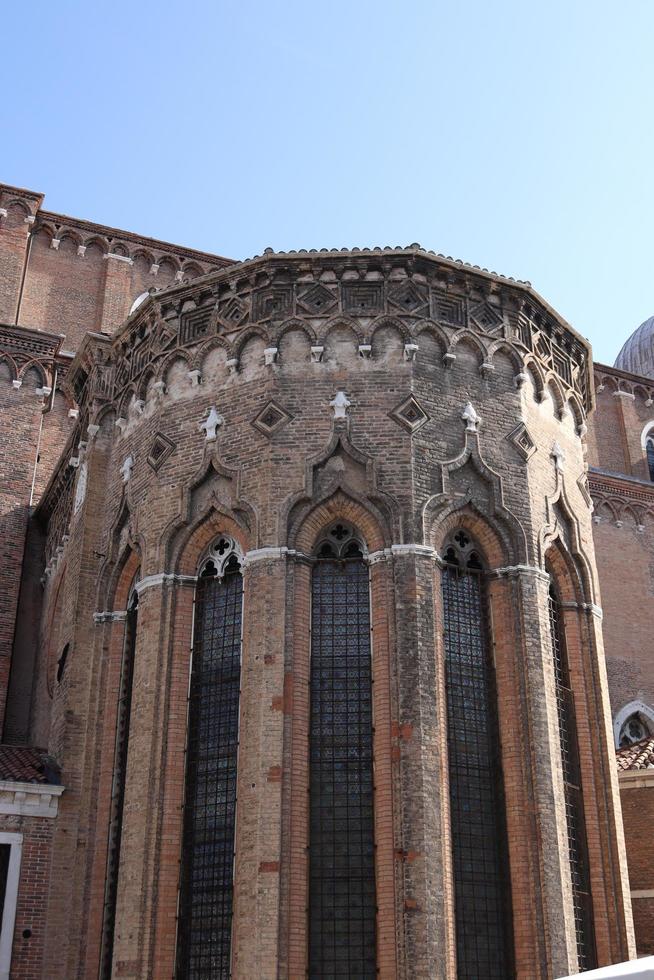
[[303, 666]]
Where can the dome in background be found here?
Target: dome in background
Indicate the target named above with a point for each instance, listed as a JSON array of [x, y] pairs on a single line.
[[637, 354]]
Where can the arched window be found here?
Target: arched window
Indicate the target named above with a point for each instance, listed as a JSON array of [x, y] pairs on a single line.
[[574, 803], [206, 883], [649, 448], [341, 831], [123, 715], [479, 849], [633, 730]]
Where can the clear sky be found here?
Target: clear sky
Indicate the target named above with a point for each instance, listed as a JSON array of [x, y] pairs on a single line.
[[512, 134]]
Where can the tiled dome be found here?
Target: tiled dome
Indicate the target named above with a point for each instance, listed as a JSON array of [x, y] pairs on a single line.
[[637, 354]]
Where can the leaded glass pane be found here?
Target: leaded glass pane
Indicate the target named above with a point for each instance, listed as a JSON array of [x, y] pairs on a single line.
[[481, 887], [341, 854], [206, 894]]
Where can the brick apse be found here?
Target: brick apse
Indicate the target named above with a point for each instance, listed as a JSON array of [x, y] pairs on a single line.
[[303, 664]]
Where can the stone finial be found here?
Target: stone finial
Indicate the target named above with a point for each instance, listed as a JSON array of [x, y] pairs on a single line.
[[316, 354], [211, 424], [470, 417], [558, 456], [340, 404], [410, 351], [195, 377], [126, 468], [270, 355]]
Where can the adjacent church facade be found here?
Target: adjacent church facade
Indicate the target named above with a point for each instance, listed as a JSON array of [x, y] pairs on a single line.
[[323, 617]]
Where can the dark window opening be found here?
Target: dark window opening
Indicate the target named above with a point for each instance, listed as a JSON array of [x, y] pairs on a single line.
[[206, 885], [5, 854], [650, 457], [479, 845], [123, 716], [342, 902], [61, 663], [574, 803]]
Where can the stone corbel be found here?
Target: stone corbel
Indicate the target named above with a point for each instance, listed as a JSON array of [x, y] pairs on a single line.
[[159, 388], [17, 382], [81, 251], [410, 351], [487, 369], [270, 355], [121, 424], [521, 379], [55, 243], [232, 365], [449, 358], [154, 269], [316, 354], [365, 350], [195, 377]]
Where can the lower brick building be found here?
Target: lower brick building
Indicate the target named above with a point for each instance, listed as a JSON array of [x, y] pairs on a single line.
[[322, 617]]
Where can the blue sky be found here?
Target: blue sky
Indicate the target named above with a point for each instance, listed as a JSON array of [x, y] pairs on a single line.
[[514, 135]]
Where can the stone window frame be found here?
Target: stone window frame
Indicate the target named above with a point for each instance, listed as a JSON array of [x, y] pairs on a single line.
[[15, 842], [626, 712], [647, 445]]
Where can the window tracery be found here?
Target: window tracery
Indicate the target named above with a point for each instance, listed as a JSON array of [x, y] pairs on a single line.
[[206, 884], [479, 846], [342, 899], [633, 730]]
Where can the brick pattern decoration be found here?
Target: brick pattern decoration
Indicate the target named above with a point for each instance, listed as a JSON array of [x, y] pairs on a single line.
[[295, 330]]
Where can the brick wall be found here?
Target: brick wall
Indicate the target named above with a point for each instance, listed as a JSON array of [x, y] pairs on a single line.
[[637, 796]]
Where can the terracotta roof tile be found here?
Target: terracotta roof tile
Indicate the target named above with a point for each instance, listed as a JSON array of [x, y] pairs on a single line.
[[640, 755], [28, 765]]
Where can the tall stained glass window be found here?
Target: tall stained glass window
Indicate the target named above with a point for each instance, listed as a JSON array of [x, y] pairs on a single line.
[[206, 886], [574, 804], [479, 852], [341, 851], [123, 715]]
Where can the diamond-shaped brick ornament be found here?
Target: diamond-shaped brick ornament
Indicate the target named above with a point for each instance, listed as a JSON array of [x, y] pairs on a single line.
[[160, 450], [317, 299], [409, 298], [271, 418], [410, 414], [522, 440]]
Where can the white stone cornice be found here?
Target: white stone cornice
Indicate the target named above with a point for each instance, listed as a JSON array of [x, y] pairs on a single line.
[[636, 778], [268, 554], [117, 616], [164, 578], [119, 258], [517, 570], [29, 799], [586, 606]]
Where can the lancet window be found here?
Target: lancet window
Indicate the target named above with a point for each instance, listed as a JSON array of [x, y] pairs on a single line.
[[649, 448], [206, 885], [123, 716], [478, 825], [574, 804], [341, 829]]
